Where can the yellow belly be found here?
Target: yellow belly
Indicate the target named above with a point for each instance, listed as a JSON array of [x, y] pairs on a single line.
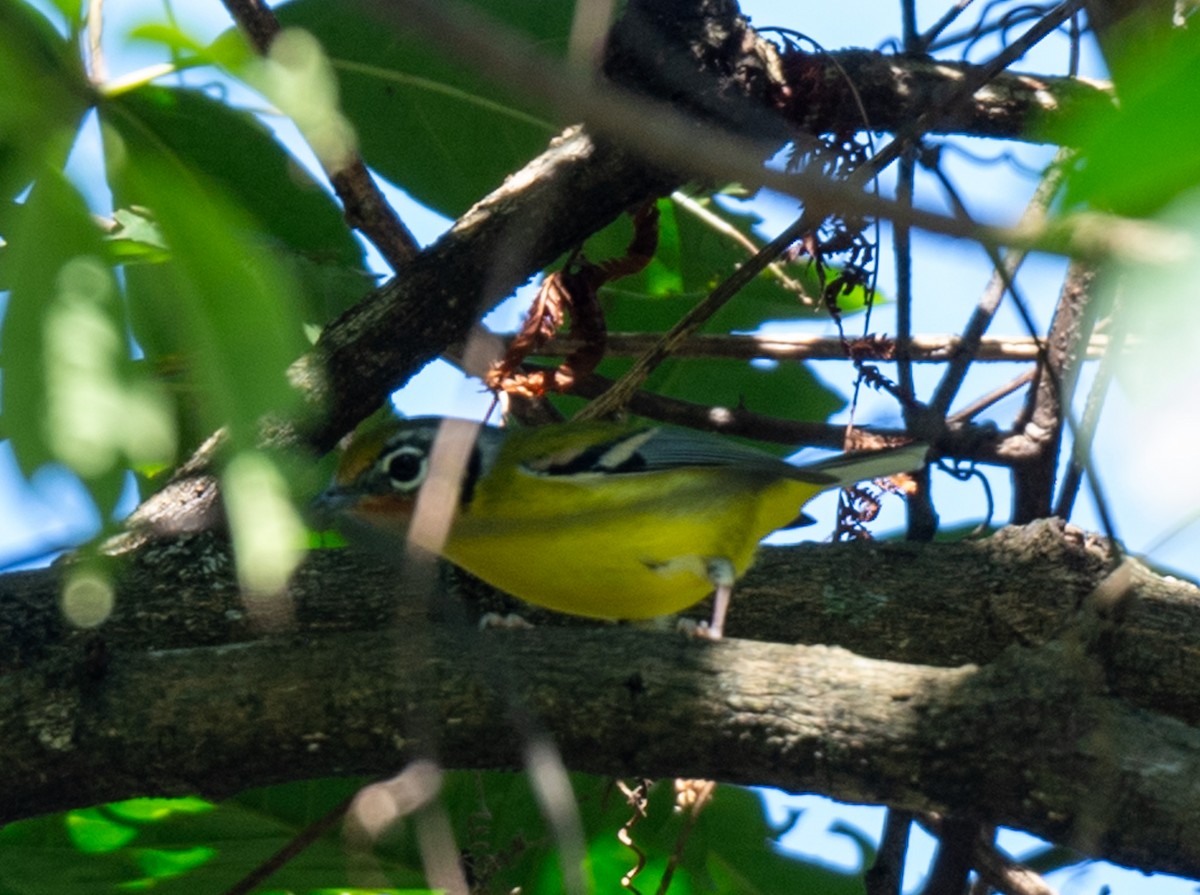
[[627, 550]]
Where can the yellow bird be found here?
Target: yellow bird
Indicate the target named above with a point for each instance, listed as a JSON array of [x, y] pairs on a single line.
[[605, 520]]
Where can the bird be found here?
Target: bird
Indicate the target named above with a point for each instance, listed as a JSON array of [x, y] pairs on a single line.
[[607, 520]]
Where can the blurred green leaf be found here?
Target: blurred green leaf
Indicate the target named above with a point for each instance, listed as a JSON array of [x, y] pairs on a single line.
[[223, 303], [45, 93], [293, 219], [71, 393], [1134, 161], [72, 10], [185, 845], [198, 132], [268, 535], [171, 36], [696, 252], [428, 123], [136, 239], [10, 213], [94, 833], [298, 78], [193, 846], [1157, 315], [152, 809], [161, 864]]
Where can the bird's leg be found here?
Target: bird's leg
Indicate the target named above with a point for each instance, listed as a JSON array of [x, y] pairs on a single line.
[[511, 622], [721, 574]]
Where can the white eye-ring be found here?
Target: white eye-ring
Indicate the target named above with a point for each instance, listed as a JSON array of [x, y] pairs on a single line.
[[406, 467]]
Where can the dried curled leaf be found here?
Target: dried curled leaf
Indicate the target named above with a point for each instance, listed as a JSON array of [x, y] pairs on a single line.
[[572, 292]]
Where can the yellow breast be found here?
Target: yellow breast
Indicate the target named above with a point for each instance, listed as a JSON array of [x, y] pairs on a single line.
[[629, 548]]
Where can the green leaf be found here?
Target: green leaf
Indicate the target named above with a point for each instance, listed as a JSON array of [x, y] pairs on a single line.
[[186, 845], [1134, 161], [223, 303], [268, 535], [297, 77], [137, 238], [733, 847], [171, 36], [426, 121], [160, 864], [152, 809], [72, 10], [44, 96], [787, 389], [70, 392], [694, 255], [10, 213], [198, 132], [496, 822], [94, 833]]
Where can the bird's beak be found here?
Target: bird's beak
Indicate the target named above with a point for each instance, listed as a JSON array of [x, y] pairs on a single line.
[[328, 505]]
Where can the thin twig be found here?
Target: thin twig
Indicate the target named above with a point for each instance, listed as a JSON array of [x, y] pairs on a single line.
[[732, 420], [1034, 212], [1000, 872], [699, 793], [921, 517], [956, 845], [942, 24], [902, 250], [922, 349], [726, 229], [908, 24], [887, 873], [97, 68], [291, 849], [981, 404], [624, 389], [962, 441], [363, 204]]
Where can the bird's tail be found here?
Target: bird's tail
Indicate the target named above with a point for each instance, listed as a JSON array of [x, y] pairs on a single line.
[[861, 466]]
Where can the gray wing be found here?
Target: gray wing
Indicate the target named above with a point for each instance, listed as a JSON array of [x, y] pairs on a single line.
[[659, 448], [673, 447], [863, 465], [664, 448]]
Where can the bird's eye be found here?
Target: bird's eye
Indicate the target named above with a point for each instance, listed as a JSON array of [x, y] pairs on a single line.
[[406, 468]]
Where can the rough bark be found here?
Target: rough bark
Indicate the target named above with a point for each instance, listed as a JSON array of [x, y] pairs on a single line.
[[177, 691]]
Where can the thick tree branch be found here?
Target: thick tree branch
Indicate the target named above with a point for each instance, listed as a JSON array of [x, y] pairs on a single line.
[[929, 604], [894, 90], [175, 694]]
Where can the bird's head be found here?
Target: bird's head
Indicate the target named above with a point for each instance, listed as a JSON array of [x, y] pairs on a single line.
[[383, 469]]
